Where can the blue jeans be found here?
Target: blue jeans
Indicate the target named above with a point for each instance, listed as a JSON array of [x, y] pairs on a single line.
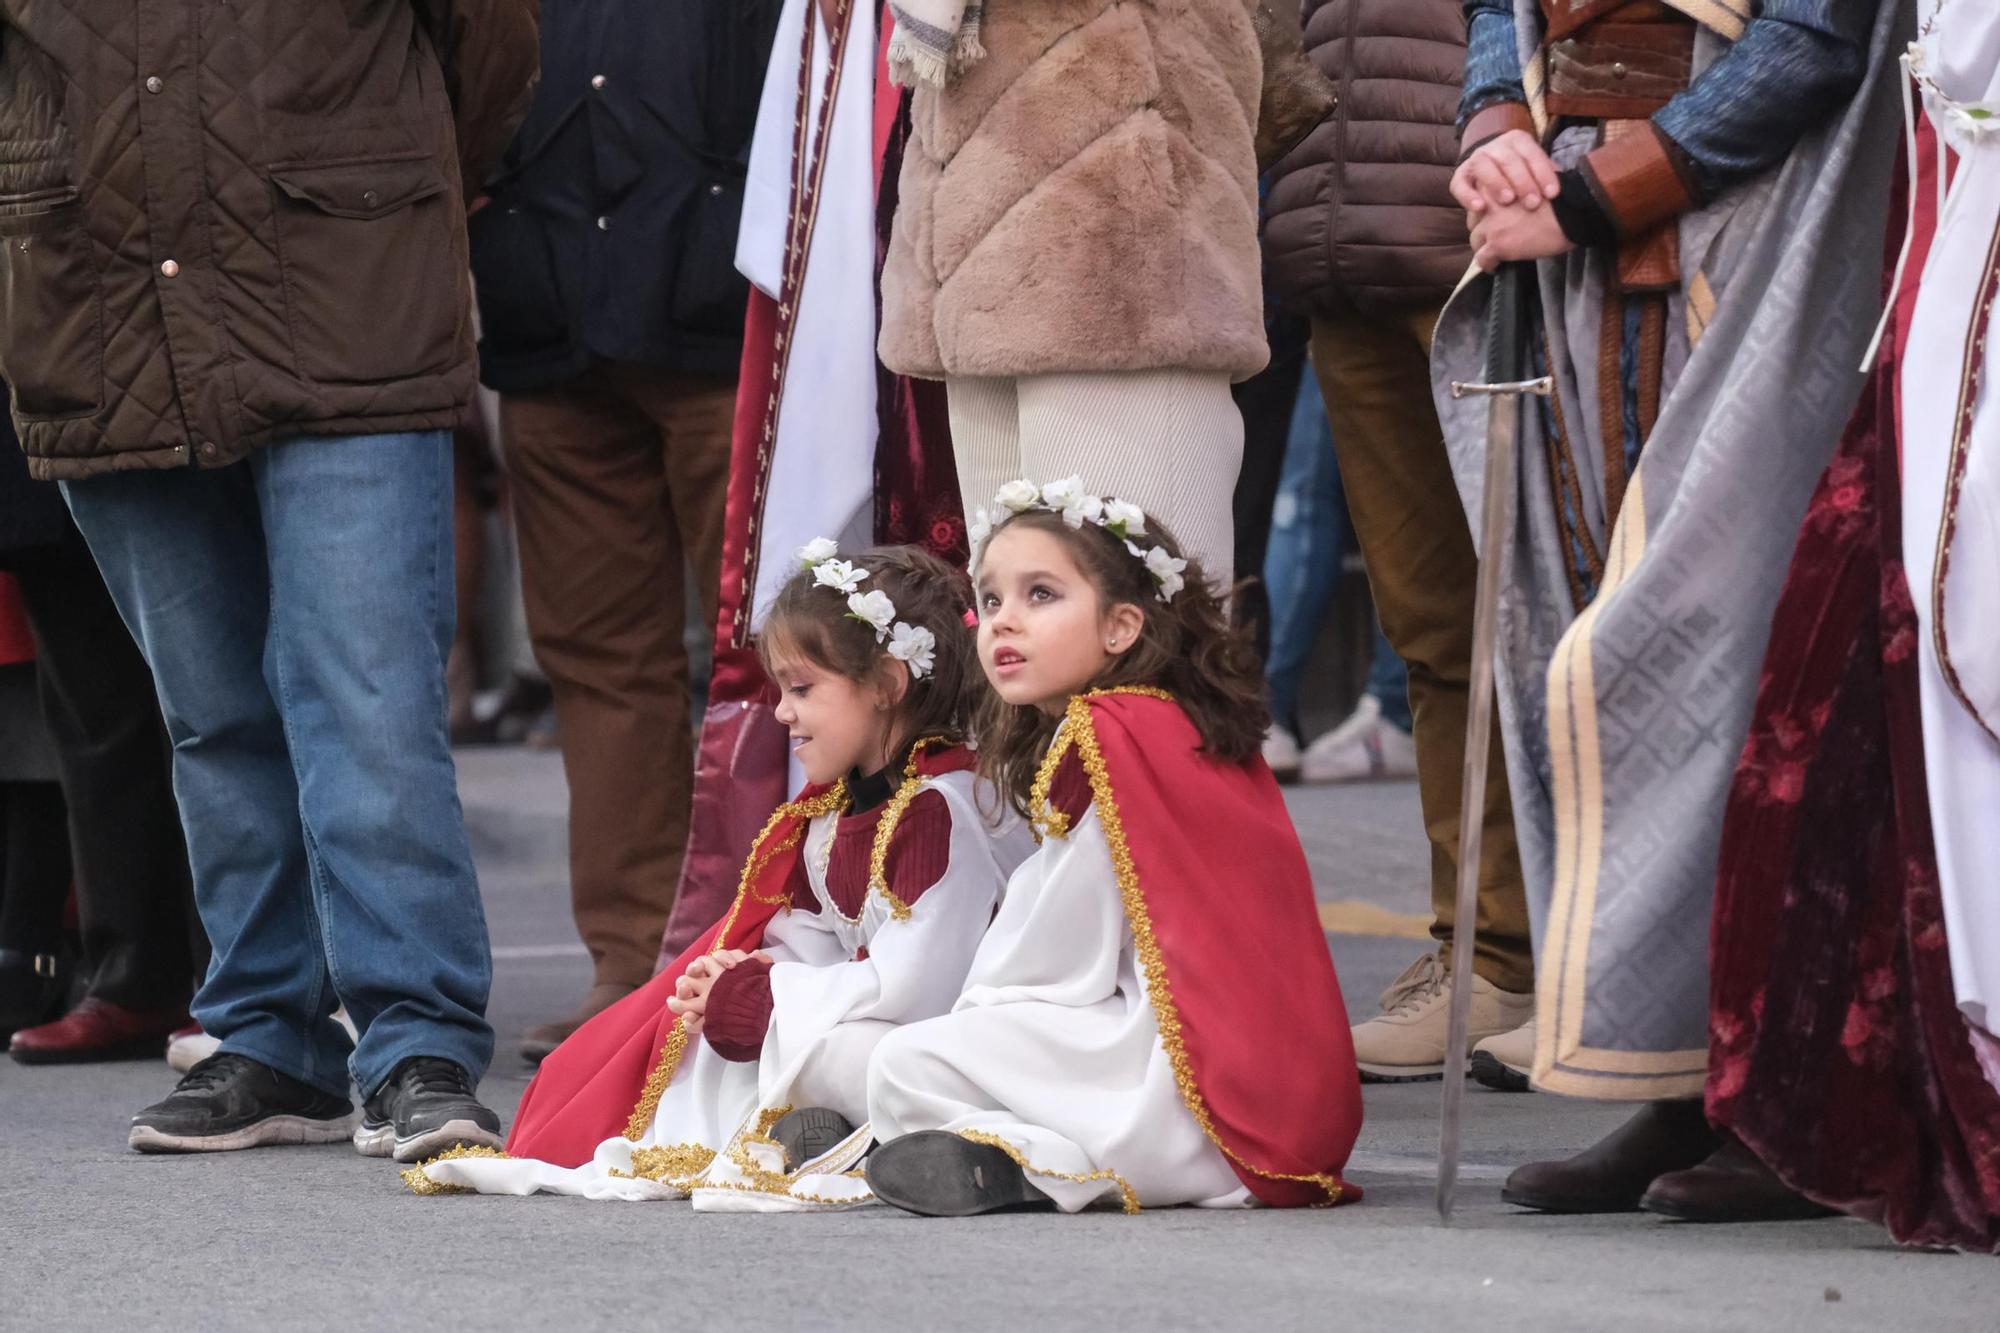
[[296, 609], [1302, 569]]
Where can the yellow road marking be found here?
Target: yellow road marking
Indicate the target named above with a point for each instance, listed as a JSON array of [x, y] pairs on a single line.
[[1353, 916]]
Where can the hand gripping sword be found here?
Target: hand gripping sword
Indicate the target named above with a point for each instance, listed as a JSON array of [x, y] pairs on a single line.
[[1507, 332]]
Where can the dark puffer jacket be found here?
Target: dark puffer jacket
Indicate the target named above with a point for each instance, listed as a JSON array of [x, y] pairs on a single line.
[[226, 224], [1362, 210]]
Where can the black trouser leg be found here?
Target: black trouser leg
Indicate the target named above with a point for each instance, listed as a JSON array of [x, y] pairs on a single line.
[[1266, 401], [34, 867], [142, 944]]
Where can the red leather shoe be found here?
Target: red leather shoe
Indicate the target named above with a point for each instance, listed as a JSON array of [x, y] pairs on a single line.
[[97, 1030]]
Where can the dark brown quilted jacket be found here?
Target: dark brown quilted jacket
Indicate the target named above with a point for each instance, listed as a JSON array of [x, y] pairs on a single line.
[[1362, 210], [236, 221]]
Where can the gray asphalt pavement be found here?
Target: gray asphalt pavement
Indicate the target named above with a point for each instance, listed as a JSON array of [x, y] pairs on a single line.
[[95, 1237]]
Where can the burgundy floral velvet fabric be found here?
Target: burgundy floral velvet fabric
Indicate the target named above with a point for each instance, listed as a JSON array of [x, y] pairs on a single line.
[[1837, 1052]]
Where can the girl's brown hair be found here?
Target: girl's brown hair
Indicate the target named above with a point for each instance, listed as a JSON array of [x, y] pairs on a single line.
[[809, 621], [1187, 647]]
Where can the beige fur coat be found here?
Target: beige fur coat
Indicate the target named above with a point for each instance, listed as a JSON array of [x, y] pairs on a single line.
[[1084, 198]]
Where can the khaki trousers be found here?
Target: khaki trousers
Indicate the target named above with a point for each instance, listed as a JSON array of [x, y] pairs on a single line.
[[1169, 441], [1375, 374], [620, 479]]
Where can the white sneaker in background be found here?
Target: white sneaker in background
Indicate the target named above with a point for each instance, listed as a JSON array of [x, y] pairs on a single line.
[[1364, 748], [1281, 752], [189, 1047]]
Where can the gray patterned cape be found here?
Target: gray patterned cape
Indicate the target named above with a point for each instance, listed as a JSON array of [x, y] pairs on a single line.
[[1623, 722]]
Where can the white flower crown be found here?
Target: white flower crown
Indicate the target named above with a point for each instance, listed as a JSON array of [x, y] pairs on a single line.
[[1121, 518], [912, 645]]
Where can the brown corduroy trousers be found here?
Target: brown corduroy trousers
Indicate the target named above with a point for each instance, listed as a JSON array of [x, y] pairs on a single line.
[[620, 479], [1374, 372]]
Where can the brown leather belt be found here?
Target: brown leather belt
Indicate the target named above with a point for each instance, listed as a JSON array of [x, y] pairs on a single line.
[[1620, 71]]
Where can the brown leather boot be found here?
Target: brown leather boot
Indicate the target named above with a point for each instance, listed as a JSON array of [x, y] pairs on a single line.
[[1731, 1186], [538, 1041], [1612, 1175]]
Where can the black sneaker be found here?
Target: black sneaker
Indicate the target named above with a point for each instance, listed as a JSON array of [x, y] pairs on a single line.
[[426, 1107], [810, 1133], [231, 1101], [935, 1174]]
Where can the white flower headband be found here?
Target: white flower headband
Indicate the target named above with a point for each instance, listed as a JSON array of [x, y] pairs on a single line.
[[1121, 518], [912, 645]]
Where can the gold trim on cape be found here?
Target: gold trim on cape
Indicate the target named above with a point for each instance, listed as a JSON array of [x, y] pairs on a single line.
[[1153, 964]]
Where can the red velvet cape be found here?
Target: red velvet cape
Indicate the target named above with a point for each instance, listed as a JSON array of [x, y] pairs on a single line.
[[1220, 902], [607, 1078]]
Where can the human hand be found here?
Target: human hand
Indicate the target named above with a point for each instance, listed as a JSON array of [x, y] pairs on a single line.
[[689, 1002], [1507, 169], [1515, 232]]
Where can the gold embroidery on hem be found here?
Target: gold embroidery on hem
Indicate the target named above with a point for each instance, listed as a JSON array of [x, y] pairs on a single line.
[[419, 1181], [892, 815], [674, 1048], [1128, 1197], [786, 1191], [674, 1164], [1152, 962]]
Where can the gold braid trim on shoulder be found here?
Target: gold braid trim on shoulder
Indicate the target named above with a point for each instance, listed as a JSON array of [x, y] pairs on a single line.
[[1158, 989], [1043, 818], [419, 1181], [892, 815], [830, 801], [1128, 1196]]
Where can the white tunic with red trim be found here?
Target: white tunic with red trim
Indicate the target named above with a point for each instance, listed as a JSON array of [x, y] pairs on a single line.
[[1054, 1049], [1951, 499], [850, 964]]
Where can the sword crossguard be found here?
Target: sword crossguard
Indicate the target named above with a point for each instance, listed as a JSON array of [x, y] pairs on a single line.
[[1540, 388]]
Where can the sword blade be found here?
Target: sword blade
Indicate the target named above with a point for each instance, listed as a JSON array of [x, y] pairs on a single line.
[[1495, 526]]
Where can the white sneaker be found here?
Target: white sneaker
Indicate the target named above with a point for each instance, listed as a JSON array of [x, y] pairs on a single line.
[[1281, 752], [1506, 1062], [1407, 1041], [1364, 748], [189, 1047]]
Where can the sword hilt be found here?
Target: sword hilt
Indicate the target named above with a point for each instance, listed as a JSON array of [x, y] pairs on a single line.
[[1540, 388]]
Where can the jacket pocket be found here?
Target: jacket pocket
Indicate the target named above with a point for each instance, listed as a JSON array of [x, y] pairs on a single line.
[[372, 284], [521, 308], [708, 293], [52, 339]]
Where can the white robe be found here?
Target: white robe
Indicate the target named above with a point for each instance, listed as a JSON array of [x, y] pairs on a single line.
[[829, 1010], [1054, 1049], [1962, 759]]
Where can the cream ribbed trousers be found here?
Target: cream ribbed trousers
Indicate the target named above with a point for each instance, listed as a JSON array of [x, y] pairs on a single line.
[[1169, 441]]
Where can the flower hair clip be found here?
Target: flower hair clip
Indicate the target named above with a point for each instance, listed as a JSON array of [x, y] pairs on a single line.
[[912, 645], [1121, 518]]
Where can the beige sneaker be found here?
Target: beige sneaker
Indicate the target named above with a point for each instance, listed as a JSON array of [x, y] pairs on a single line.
[[1506, 1062], [1407, 1042]]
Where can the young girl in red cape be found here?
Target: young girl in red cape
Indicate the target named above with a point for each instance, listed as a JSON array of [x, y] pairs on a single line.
[[738, 1075], [1153, 1017]]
